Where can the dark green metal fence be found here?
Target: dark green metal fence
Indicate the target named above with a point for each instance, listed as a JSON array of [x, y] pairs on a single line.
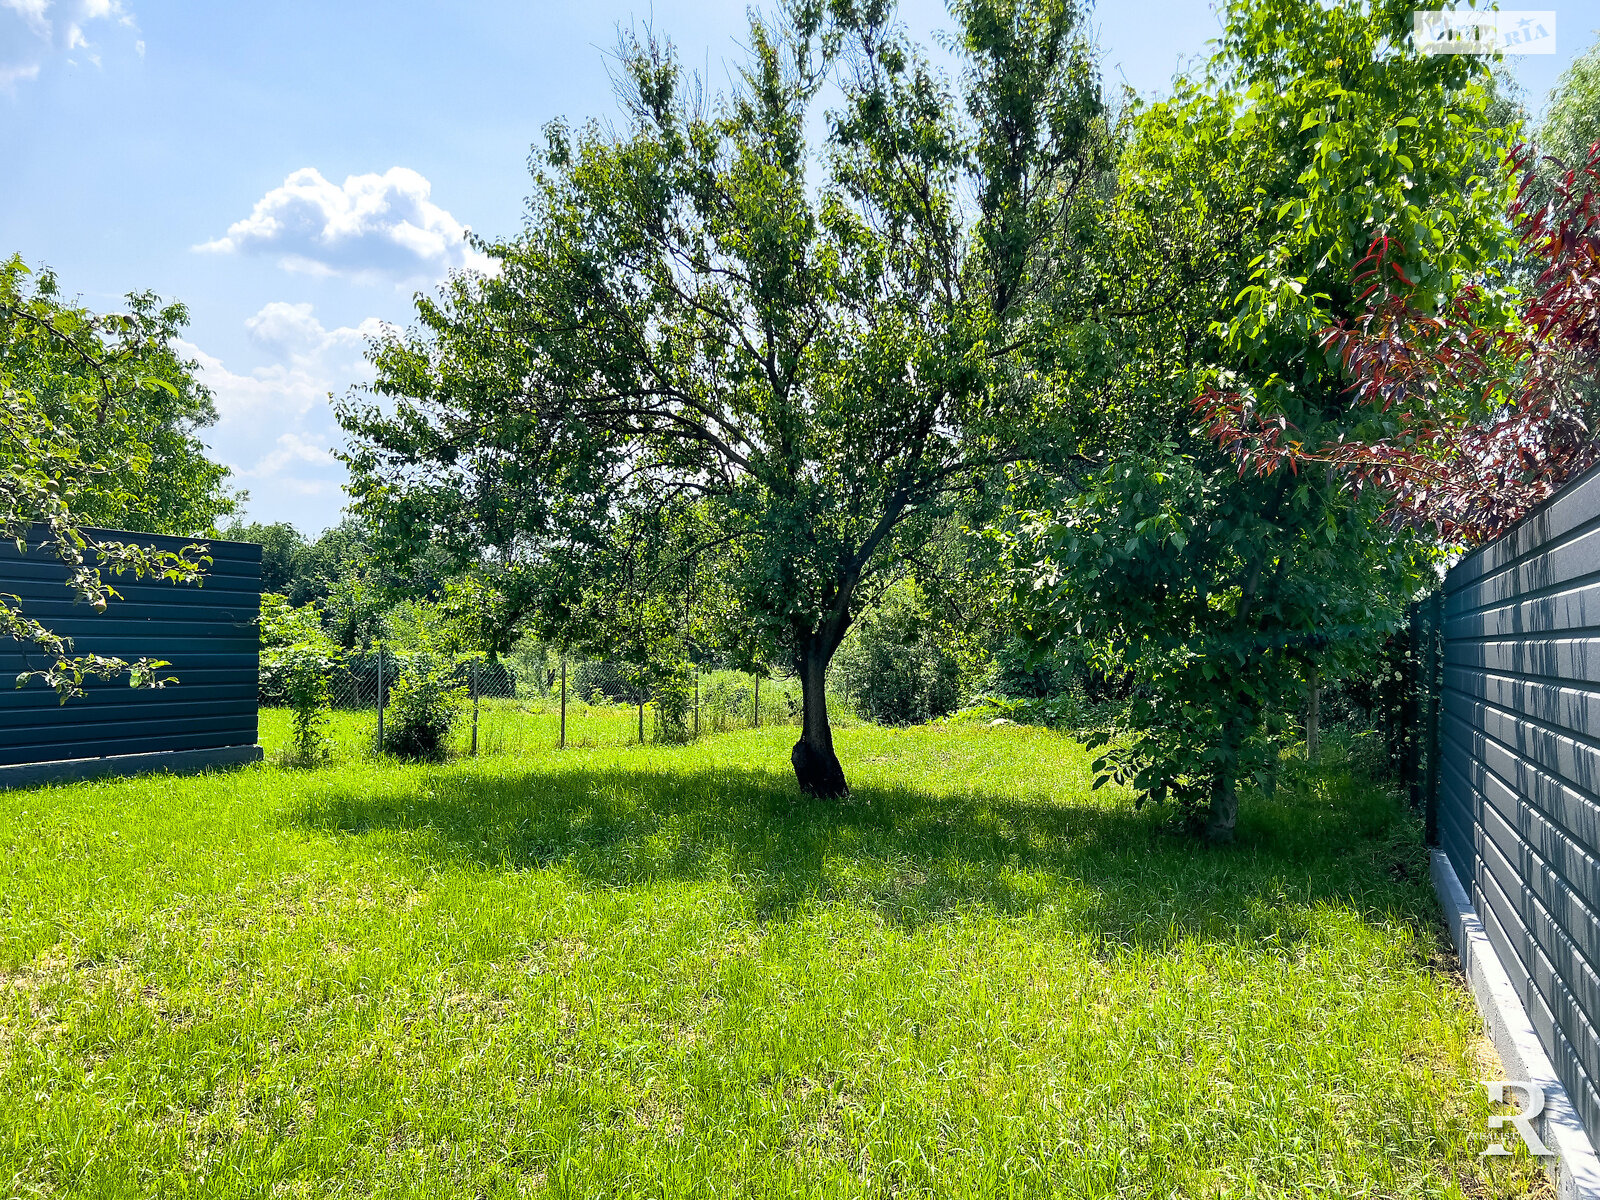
[[208, 632], [1496, 735]]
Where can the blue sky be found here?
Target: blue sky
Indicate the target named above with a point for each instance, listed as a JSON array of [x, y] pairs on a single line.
[[294, 171]]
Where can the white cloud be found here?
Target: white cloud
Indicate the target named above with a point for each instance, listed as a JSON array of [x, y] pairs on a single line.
[[276, 426], [11, 76], [371, 227], [293, 448], [59, 27], [295, 331]]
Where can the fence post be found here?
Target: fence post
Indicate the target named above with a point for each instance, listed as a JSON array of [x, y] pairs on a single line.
[[474, 706], [1413, 710], [758, 702], [697, 702], [379, 648], [563, 745], [1435, 685], [641, 722]]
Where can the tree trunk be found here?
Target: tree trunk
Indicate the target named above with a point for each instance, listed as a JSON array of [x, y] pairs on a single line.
[[816, 766], [1224, 809], [1314, 720], [1224, 792]]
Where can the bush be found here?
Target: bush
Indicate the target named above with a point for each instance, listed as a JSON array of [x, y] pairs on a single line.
[[672, 700], [302, 671], [297, 658], [891, 668], [423, 706]]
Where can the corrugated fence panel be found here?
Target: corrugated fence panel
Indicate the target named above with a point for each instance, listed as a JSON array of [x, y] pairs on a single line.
[[207, 632], [1518, 803]]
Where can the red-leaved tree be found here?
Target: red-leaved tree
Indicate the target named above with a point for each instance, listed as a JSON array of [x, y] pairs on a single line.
[[1464, 416]]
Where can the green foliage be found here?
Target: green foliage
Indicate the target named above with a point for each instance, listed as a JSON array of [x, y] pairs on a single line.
[[536, 668], [354, 610], [302, 673], [595, 681], [297, 661], [1572, 119], [53, 481], [672, 701], [728, 701], [892, 666], [128, 400], [1216, 598], [358, 592], [1242, 207], [732, 370], [283, 558], [424, 704], [418, 625]]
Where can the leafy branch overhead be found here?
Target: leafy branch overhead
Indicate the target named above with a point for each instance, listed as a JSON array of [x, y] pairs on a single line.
[[49, 480], [1473, 413]]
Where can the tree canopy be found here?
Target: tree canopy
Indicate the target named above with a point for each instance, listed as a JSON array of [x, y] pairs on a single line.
[[1220, 588], [730, 347], [152, 474]]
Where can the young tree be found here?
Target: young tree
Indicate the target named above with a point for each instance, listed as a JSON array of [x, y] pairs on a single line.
[[802, 351], [1216, 586]]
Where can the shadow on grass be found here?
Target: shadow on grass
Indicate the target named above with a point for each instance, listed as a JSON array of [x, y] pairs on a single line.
[[1101, 868]]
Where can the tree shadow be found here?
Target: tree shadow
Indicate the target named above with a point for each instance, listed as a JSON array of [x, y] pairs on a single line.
[[1123, 877]]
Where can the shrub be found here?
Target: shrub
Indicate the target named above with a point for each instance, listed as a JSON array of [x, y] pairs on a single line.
[[891, 667], [423, 706], [672, 700], [297, 658], [303, 670]]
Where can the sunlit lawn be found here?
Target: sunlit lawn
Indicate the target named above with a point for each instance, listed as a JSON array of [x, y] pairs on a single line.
[[644, 971]]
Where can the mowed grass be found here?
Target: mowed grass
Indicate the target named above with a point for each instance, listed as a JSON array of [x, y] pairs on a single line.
[[661, 972]]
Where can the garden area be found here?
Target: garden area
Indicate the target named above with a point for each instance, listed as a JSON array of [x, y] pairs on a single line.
[[867, 649], [650, 970]]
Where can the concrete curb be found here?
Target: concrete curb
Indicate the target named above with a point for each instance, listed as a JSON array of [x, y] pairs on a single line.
[[1574, 1169], [179, 762]]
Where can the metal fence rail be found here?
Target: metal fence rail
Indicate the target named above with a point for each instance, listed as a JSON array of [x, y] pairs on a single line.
[[1511, 649], [207, 632]]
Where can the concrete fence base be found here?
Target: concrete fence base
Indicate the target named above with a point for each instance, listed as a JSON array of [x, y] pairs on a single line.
[[1573, 1167], [177, 762]]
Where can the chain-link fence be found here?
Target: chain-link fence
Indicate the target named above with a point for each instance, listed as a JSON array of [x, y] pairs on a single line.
[[523, 705], [362, 681]]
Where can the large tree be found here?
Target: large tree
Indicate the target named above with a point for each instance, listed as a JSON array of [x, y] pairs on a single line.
[[771, 334], [1215, 581]]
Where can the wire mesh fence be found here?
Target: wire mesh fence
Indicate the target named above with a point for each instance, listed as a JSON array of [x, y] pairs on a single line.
[[515, 706], [363, 681]]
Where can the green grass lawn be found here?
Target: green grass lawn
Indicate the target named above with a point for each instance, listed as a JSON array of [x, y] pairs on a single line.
[[645, 971]]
